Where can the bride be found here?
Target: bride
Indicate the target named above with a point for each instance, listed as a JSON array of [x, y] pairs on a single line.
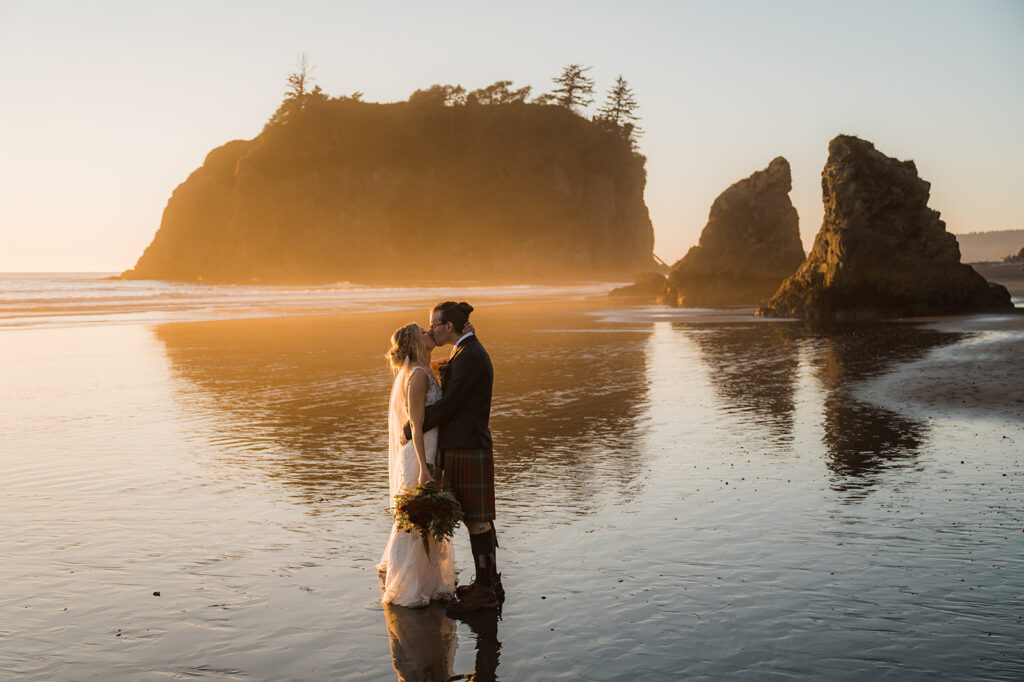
[[411, 576]]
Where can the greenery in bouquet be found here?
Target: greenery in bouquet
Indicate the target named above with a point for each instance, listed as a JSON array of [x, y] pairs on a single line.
[[428, 511]]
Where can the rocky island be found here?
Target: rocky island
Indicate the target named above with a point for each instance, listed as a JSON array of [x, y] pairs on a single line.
[[750, 244], [337, 189], [881, 251]]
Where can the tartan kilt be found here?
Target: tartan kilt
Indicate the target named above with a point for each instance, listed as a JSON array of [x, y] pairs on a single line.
[[469, 474]]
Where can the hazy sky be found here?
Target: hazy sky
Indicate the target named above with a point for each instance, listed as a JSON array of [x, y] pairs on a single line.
[[107, 106]]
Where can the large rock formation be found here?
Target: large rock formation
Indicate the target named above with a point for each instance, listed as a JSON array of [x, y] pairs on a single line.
[[749, 245], [348, 190], [881, 252]]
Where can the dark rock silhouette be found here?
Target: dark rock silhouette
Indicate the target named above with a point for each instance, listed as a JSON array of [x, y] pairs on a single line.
[[881, 252], [357, 191], [647, 287], [754, 371], [749, 245]]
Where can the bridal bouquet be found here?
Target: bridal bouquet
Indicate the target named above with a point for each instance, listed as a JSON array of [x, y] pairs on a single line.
[[428, 511]]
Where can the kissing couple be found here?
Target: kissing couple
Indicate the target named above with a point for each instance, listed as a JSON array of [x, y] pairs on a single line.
[[438, 431]]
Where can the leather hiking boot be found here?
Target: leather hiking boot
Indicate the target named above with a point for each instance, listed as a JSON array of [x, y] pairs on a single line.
[[477, 598], [499, 591]]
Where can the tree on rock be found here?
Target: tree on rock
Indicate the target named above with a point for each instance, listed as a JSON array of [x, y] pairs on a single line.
[[620, 105], [439, 96], [299, 80], [297, 95], [575, 88], [619, 111], [499, 92]]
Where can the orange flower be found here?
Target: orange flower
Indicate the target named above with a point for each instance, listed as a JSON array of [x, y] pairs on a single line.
[[437, 366]]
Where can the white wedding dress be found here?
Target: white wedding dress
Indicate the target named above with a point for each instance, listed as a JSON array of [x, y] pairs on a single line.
[[411, 577]]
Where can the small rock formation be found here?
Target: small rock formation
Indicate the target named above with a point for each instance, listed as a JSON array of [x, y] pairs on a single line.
[[646, 287], [881, 252], [1019, 258], [749, 245]]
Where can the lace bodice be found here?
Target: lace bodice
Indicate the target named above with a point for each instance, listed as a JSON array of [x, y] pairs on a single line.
[[433, 388]]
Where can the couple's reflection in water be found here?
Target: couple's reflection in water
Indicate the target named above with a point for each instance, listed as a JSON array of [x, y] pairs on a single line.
[[424, 641]]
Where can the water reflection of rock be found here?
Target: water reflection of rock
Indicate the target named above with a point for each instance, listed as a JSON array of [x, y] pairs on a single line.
[[753, 370], [864, 440], [304, 400], [569, 414]]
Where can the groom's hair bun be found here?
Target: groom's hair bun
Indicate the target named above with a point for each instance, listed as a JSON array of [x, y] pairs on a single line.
[[456, 313]]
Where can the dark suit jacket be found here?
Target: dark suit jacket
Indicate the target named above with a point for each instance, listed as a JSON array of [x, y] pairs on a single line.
[[465, 407]]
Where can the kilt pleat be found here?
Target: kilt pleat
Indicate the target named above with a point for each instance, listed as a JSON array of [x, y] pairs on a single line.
[[469, 474]]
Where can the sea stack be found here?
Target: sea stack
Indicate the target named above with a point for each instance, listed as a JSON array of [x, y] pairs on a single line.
[[881, 252], [344, 190], [750, 244]]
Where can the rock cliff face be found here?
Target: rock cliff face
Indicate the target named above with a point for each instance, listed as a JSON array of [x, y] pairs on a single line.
[[749, 245], [397, 192], [881, 252]]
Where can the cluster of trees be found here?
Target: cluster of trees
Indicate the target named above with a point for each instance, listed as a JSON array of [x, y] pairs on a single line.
[[574, 91], [500, 92]]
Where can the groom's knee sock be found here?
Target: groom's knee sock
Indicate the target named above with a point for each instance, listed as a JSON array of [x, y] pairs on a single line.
[[493, 564], [483, 557]]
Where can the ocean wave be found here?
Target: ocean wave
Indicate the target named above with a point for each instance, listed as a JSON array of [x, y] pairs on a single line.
[[65, 299]]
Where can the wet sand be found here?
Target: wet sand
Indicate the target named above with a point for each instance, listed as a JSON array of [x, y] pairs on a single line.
[[980, 377], [682, 494]]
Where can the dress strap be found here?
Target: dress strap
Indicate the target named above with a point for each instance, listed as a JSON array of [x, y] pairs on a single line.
[[431, 379], [430, 376]]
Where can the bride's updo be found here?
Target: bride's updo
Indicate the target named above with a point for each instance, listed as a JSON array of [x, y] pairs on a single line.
[[406, 343]]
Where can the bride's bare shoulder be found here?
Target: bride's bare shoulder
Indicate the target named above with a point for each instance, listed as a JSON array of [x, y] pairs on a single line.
[[418, 380]]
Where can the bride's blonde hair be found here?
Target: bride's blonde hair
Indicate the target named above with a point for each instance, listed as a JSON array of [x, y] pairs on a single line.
[[406, 342]]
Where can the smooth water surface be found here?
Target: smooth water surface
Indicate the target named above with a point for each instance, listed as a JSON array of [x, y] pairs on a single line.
[[677, 500]]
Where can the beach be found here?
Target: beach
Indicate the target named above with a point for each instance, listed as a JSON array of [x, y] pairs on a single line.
[[681, 493]]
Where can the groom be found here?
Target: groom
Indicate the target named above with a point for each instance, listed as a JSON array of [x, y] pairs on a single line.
[[466, 454]]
